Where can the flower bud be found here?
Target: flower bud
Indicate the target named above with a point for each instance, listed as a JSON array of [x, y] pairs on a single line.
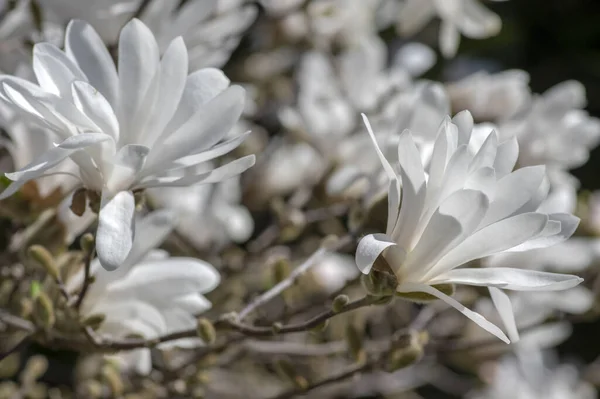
[[43, 311], [281, 270], [113, 380], [206, 331], [78, 202], [410, 353], [92, 389], [9, 366], [35, 367], [42, 256], [87, 242], [339, 303], [277, 326], [355, 343]]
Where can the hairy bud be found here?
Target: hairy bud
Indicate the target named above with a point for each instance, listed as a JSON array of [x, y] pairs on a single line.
[[339, 303], [42, 256], [43, 311], [206, 330]]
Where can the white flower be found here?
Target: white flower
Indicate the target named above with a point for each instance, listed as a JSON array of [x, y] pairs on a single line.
[[126, 131], [531, 375], [468, 17], [492, 97], [209, 215], [152, 294], [211, 29], [556, 131], [333, 271], [468, 206]]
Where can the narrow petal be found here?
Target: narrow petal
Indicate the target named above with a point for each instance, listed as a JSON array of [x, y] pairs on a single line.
[[84, 46], [386, 165], [449, 39], [413, 191], [510, 279], [568, 225], [138, 60], [476, 317], [93, 104], [393, 206], [114, 237], [513, 191], [506, 157], [127, 165], [369, 248], [494, 238], [151, 231], [54, 70], [505, 310]]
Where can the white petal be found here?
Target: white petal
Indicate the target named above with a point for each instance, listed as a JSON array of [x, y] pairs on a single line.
[[138, 60], [568, 225], [84, 46], [505, 310], [464, 122], [127, 165], [151, 231], [413, 191], [224, 172], [449, 39], [506, 157], [386, 165], [173, 74], [494, 238], [157, 281], [54, 70], [200, 88], [207, 127], [513, 191], [55, 155], [476, 21], [486, 155], [393, 206], [369, 248], [457, 217], [476, 317], [114, 237], [510, 279], [93, 104], [413, 15]]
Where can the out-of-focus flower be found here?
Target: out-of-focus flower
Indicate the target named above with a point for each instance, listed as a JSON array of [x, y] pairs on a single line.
[[333, 272], [527, 375], [152, 294], [126, 131], [556, 131], [467, 17], [211, 29], [209, 215], [491, 97], [468, 206]]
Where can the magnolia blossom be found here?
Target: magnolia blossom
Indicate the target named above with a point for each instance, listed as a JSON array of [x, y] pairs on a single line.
[[467, 206], [492, 97], [531, 375], [152, 294], [556, 131], [126, 131], [211, 29], [468, 17]]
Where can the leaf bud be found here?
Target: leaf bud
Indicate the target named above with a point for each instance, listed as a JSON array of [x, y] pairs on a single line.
[[43, 311], [42, 256], [339, 303], [206, 330]]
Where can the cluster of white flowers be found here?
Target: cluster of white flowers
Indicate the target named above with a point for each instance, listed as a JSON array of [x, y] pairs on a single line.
[[119, 122]]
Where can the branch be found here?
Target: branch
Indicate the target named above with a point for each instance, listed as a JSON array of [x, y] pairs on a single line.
[[16, 322], [349, 373], [291, 279], [20, 345], [86, 278]]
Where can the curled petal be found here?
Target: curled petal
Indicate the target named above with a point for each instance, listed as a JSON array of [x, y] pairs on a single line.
[[114, 237]]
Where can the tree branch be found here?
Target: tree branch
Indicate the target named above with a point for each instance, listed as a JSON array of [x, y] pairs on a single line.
[[291, 279]]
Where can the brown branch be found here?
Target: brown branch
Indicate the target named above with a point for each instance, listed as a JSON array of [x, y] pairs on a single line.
[[20, 345], [86, 277]]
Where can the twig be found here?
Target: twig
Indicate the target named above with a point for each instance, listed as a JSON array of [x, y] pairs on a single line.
[[16, 322], [291, 279], [86, 277], [349, 373], [296, 348], [20, 345]]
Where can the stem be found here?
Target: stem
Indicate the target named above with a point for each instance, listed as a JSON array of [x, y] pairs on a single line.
[[20, 345], [291, 279], [86, 278]]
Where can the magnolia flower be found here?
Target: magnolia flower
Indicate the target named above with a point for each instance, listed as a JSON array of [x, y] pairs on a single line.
[[556, 131], [211, 29], [333, 271], [468, 17], [126, 131], [492, 97], [216, 208], [468, 206], [152, 294], [531, 375]]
